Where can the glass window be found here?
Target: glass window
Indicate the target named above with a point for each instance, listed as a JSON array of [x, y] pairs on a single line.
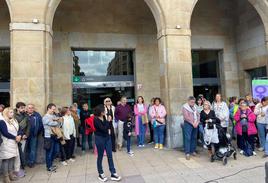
[[4, 65], [257, 72], [205, 63], [102, 63]]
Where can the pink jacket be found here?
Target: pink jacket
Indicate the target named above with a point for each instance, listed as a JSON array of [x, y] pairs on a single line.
[[137, 114], [160, 111], [188, 116], [251, 119]]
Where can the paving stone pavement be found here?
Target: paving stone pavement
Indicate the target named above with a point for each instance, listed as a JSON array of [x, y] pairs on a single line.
[[153, 166]]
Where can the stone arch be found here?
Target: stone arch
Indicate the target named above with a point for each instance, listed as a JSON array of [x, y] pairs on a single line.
[[154, 6], [9, 9], [258, 6]]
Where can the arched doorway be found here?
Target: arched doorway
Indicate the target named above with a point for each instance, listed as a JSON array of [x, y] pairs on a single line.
[[104, 48], [4, 54], [228, 44]]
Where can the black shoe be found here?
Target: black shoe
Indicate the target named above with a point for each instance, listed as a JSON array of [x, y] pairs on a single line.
[[73, 157], [115, 177], [102, 177], [31, 165], [52, 169]]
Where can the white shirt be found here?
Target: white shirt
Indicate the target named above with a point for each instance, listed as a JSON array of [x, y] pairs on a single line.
[[68, 127], [140, 107], [1, 116], [259, 109]]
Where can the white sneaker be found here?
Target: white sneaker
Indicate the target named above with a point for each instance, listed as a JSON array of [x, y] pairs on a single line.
[[64, 163], [241, 152], [261, 149], [254, 153], [139, 145], [130, 153], [205, 147], [71, 160], [115, 177], [143, 145], [102, 177]]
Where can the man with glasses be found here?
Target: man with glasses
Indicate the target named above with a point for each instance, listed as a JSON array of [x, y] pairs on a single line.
[[122, 111]]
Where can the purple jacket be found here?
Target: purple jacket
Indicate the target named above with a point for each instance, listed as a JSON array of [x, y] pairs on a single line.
[[121, 112]]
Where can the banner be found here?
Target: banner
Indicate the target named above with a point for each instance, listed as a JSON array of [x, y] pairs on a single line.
[[260, 88]]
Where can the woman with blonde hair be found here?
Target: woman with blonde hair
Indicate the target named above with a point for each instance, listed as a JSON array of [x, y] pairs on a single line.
[[109, 114], [9, 129]]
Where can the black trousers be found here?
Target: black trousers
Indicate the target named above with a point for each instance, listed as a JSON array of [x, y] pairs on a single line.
[[67, 149], [113, 139], [151, 131]]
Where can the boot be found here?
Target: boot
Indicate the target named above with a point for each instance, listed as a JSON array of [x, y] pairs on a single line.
[[6, 179], [78, 142]]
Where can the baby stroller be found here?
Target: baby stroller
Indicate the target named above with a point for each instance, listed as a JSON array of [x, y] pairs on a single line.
[[220, 142]]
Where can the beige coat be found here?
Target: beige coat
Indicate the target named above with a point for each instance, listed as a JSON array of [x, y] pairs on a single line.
[[9, 147]]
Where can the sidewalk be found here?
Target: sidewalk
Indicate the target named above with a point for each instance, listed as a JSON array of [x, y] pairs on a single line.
[[153, 166]]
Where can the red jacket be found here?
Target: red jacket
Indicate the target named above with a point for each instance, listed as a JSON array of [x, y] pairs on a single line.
[[89, 122], [251, 125]]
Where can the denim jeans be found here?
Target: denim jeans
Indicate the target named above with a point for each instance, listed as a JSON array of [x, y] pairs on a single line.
[[266, 145], [190, 134], [22, 155], [128, 143], [50, 153], [201, 132], [262, 134], [32, 149], [104, 144], [86, 138], [142, 131], [159, 134]]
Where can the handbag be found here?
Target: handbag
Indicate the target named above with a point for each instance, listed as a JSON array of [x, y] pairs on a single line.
[[145, 119]]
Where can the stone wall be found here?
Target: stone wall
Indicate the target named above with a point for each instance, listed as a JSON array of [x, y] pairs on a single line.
[[250, 40], [94, 24], [212, 27]]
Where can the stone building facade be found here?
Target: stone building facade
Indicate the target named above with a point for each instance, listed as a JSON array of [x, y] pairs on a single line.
[[42, 33]]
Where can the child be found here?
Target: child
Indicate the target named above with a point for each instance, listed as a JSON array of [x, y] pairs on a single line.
[[127, 134]]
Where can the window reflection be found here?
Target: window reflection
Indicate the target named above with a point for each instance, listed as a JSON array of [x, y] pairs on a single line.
[[205, 63], [4, 65], [102, 63]]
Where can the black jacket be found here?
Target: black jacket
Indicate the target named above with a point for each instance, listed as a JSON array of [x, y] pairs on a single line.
[[102, 127], [127, 129], [83, 116], [211, 115]]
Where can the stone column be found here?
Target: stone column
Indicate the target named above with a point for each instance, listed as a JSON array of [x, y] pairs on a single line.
[[30, 52], [176, 82]]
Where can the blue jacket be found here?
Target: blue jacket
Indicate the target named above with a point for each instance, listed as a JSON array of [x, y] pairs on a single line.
[[36, 125]]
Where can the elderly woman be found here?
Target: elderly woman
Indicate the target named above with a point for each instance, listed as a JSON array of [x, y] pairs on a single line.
[[191, 121], [222, 111], [245, 128], [207, 115], [74, 113], [9, 129]]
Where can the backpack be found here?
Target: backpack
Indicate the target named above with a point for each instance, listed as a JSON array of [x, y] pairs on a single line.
[[89, 122]]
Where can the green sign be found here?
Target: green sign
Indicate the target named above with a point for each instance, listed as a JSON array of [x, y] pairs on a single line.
[[76, 79]]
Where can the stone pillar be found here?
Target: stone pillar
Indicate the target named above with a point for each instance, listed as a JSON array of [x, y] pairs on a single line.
[[176, 82], [30, 52]]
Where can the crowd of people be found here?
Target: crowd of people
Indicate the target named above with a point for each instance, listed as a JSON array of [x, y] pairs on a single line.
[[62, 130]]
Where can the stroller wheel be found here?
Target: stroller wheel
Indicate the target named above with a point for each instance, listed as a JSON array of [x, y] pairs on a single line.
[[224, 160], [234, 155]]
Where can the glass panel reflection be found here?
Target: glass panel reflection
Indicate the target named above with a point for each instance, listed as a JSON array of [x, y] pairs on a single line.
[[205, 63], [4, 65], [102, 63]]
